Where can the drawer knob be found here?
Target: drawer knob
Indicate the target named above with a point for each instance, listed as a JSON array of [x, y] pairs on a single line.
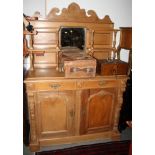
[[102, 83], [55, 86]]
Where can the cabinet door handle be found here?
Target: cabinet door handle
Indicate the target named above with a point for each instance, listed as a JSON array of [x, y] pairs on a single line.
[[55, 86], [71, 113]]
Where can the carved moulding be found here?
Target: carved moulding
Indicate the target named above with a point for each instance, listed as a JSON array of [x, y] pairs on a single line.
[[120, 102], [74, 14], [32, 119]]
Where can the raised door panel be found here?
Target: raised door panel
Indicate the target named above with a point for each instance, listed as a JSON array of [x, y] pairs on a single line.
[[56, 114], [97, 110]]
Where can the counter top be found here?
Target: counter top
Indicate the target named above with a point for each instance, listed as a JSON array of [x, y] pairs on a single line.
[[53, 74]]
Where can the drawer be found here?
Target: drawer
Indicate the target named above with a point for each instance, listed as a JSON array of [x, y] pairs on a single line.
[[30, 87], [99, 84], [60, 85]]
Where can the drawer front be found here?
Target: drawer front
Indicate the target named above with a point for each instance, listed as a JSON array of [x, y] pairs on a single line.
[[74, 85], [99, 84], [60, 85], [30, 87]]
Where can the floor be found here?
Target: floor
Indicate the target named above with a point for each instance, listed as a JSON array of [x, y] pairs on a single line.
[[125, 135]]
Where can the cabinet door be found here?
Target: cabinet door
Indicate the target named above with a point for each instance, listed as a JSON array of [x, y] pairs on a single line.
[[97, 110], [55, 113]]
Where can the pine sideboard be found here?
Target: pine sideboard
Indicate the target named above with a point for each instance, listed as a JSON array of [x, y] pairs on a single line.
[[66, 110]]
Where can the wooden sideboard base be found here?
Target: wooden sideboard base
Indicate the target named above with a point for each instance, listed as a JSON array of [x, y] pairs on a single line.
[[115, 136], [73, 102], [34, 147], [106, 136]]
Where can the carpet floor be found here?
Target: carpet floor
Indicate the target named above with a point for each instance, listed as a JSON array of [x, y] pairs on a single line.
[[110, 148]]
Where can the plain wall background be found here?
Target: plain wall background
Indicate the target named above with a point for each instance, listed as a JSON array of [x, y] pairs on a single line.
[[30, 6], [120, 11]]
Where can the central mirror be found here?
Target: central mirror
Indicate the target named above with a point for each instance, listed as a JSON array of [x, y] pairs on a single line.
[[71, 37]]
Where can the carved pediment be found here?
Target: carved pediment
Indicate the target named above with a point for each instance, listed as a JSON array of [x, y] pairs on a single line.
[[74, 14]]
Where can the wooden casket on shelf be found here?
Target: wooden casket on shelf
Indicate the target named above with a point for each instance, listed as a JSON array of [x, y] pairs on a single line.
[[80, 67], [112, 67]]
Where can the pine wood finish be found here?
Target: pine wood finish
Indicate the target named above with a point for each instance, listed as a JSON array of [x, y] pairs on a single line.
[[70, 110], [100, 35]]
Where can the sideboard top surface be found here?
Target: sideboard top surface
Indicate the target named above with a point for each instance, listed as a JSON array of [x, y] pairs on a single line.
[[52, 74]]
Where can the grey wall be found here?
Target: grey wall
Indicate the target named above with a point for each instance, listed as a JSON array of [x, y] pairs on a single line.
[[30, 6], [120, 11]]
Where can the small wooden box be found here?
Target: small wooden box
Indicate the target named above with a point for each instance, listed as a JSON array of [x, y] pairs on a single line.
[[115, 67], [80, 67]]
